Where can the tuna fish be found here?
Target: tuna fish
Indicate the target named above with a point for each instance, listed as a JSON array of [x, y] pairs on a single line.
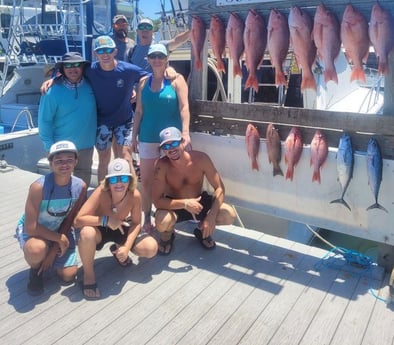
[[234, 40], [326, 34], [255, 41], [198, 34], [274, 149], [252, 139], [217, 38], [381, 34], [293, 150], [375, 167], [345, 163], [300, 25], [354, 36], [319, 152], [278, 40]]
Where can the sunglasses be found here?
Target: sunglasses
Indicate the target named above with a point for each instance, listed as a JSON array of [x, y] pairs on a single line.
[[116, 179], [57, 213], [147, 27], [157, 56], [169, 146], [72, 64], [102, 51]]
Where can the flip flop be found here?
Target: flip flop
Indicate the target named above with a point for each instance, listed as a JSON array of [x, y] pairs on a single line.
[[197, 232], [90, 287], [125, 263], [165, 243]]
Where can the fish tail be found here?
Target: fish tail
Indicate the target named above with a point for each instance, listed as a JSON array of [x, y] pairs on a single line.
[[308, 83], [383, 68], [220, 66], [252, 82], [358, 74], [237, 69], [377, 205], [198, 64], [290, 173], [255, 165], [330, 74], [280, 78], [277, 171], [341, 201], [316, 175]]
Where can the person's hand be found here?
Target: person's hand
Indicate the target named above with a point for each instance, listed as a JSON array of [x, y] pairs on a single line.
[[207, 226], [63, 244], [170, 73], [45, 86], [187, 142], [49, 260], [115, 224], [134, 146], [193, 205], [133, 97], [122, 253]]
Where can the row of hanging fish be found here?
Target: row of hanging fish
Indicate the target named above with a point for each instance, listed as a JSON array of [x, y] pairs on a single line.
[[319, 38], [293, 146]]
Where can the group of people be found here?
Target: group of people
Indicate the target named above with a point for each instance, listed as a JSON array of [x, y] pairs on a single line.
[[90, 105]]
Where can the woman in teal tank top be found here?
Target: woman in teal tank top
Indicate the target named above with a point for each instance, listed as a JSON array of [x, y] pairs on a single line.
[[161, 103]]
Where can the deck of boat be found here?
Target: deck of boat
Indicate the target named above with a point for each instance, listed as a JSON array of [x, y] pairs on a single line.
[[253, 289]]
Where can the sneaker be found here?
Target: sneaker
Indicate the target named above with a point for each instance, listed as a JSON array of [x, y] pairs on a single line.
[[35, 286]]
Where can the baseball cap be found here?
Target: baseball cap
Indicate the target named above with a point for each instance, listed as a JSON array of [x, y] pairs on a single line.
[[170, 134], [104, 42], [62, 146], [118, 167], [70, 57], [119, 17], [145, 21], [157, 48]]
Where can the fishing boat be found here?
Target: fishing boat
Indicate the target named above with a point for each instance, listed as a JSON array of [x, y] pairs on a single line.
[[261, 281]]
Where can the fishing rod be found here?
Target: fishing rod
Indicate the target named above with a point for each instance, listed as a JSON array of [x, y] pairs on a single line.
[[181, 10]]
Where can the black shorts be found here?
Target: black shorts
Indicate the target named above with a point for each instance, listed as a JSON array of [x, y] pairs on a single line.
[[206, 202], [109, 235]]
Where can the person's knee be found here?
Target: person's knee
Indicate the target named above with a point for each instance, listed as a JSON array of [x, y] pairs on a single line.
[[68, 274], [165, 220], [34, 250], [87, 234], [226, 215]]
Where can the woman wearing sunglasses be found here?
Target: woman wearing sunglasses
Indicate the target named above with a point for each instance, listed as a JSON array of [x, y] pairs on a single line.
[[45, 230], [112, 214], [160, 103]]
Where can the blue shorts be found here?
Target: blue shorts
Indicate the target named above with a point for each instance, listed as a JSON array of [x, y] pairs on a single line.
[[105, 134], [67, 260]]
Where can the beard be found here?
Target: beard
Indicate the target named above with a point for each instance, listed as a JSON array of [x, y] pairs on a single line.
[[121, 33]]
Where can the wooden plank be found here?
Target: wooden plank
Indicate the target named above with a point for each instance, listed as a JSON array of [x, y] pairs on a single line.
[[228, 118]]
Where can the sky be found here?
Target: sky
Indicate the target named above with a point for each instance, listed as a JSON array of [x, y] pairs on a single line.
[[150, 7]]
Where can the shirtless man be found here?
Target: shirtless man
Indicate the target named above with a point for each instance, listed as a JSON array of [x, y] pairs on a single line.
[[178, 195]]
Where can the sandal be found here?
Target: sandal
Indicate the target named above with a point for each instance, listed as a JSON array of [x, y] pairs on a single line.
[[92, 287], [125, 263], [203, 241], [166, 244]]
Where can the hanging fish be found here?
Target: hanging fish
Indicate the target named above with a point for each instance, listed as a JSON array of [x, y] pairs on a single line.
[[198, 34], [300, 25], [234, 41], [217, 38], [375, 167], [255, 41], [345, 163], [293, 151], [274, 149], [319, 152], [252, 139]]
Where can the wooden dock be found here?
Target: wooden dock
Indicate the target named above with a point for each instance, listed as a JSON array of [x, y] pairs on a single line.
[[253, 289]]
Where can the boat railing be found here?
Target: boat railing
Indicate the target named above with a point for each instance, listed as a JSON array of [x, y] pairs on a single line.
[[28, 117]]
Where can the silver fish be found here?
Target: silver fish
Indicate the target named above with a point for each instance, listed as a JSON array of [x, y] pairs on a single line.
[[345, 163], [375, 167]]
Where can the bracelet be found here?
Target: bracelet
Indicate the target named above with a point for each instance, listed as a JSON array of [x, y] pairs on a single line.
[[104, 221]]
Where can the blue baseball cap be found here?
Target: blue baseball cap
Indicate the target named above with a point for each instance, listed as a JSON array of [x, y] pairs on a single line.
[[104, 42], [157, 48]]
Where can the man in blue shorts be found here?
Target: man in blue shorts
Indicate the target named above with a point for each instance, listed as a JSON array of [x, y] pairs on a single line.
[[178, 195]]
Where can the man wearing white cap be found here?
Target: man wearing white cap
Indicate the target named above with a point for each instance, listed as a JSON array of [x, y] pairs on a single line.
[[45, 230], [145, 39], [178, 192]]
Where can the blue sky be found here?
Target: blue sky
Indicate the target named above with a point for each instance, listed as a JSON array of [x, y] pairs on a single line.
[[150, 7]]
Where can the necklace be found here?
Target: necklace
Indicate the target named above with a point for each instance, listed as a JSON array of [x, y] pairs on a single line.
[[114, 205]]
